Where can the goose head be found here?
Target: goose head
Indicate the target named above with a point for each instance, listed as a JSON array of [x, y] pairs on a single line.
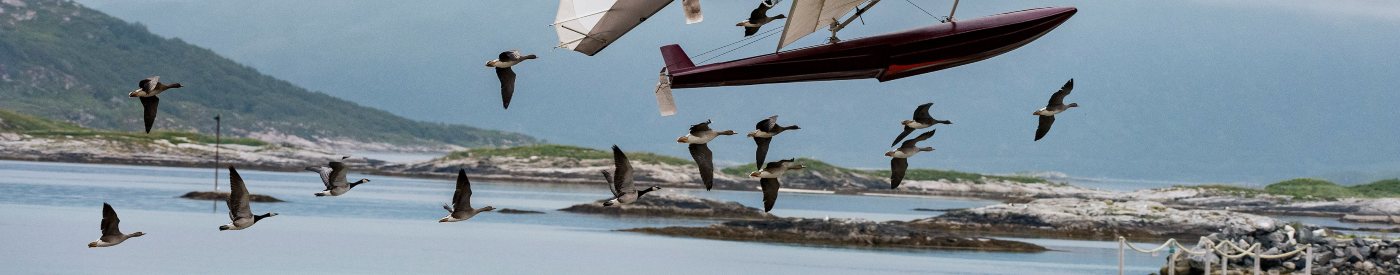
[[362, 181], [654, 188]]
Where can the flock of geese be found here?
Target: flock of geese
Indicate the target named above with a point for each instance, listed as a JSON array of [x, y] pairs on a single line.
[[620, 180]]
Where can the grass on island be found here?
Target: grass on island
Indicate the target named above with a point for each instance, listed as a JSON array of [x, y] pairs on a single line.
[[912, 174], [565, 151], [39, 127], [1314, 189]]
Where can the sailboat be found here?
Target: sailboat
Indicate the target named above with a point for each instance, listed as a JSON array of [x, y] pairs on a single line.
[[884, 57]]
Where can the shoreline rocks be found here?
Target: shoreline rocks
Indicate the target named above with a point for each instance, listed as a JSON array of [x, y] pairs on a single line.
[[674, 205], [1070, 218], [840, 232]]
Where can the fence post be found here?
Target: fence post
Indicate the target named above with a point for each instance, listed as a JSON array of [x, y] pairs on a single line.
[[1224, 263], [1171, 263], [1120, 254], [1307, 261]]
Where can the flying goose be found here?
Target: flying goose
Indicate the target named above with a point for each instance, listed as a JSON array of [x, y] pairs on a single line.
[[238, 210], [699, 136], [899, 158], [758, 17], [768, 179], [621, 186], [692, 11], [150, 87], [507, 76], [763, 134], [461, 207], [1056, 105], [334, 178], [921, 120], [111, 234]]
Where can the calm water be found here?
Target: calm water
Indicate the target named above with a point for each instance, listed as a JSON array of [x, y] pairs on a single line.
[[50, 211]]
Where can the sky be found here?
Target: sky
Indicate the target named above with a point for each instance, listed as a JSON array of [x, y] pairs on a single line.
[[1193, 91]]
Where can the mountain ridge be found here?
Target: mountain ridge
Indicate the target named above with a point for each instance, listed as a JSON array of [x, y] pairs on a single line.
[[63, 61]]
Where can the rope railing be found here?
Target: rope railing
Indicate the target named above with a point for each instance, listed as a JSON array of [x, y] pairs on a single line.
[[1226, 249]]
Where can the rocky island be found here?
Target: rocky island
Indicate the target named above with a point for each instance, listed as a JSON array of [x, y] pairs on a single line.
[[223, 196], [840, 232], [674, 205]]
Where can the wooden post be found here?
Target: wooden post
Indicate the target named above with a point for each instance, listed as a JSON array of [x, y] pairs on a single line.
[[1171, 263], [1224, 263], [1307, 261], [218, 125], [1120, 254]]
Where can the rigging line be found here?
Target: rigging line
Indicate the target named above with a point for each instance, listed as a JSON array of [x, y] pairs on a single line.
[[740, 47], [758, 36], [922, 9]]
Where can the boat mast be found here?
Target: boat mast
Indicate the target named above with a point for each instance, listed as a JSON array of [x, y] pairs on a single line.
[[836, 27]]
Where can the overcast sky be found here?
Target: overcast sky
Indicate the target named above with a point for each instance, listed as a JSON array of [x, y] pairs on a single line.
[[1196, 91]]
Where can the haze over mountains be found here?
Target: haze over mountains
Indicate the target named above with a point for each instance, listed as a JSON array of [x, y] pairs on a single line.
[[1193, 91], [63, 61]]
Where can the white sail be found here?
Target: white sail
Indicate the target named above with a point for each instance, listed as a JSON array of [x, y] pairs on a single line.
[[588, 26], [807, 16]]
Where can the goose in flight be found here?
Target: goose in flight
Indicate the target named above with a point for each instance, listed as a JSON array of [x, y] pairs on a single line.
[[1056, 106], [149, 88], [111, 234], [333, 176], [759, 17], [921, 120], [899, 158], [768, 179], [461, 207], [699, 136], [505, 74], [238, 209], [621, 185], [763, 134]]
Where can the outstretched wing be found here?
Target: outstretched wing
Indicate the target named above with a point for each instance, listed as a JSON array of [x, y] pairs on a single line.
[[705, 160], [768, 124], [1045, 122], [149, 105], [696, 129], [149, 83], [760, 12], [337, 175], [462, 199], [762, 152], [110, 221], [612, 185], [897, 168], [915, 141], [238, 196], [1059, 97], [325, 173], [770, 192], [623, 172], [901, 136], [507, 77], [921, 114]]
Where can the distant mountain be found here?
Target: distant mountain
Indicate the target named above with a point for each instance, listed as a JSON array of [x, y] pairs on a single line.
[[63, 61]]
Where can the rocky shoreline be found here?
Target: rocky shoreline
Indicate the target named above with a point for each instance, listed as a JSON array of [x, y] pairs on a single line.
[[673, 205], [840, 232], [223, 196]]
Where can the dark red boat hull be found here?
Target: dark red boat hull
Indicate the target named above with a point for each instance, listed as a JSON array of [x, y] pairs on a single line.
[[884, 57]]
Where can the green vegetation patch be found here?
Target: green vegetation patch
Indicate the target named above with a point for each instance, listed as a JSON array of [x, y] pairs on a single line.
[[564, 151], [44, 128], [1311, 188]]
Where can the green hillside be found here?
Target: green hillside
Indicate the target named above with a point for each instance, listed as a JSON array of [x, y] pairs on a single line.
[[1315, 189], [62, 61], [39, 127]]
